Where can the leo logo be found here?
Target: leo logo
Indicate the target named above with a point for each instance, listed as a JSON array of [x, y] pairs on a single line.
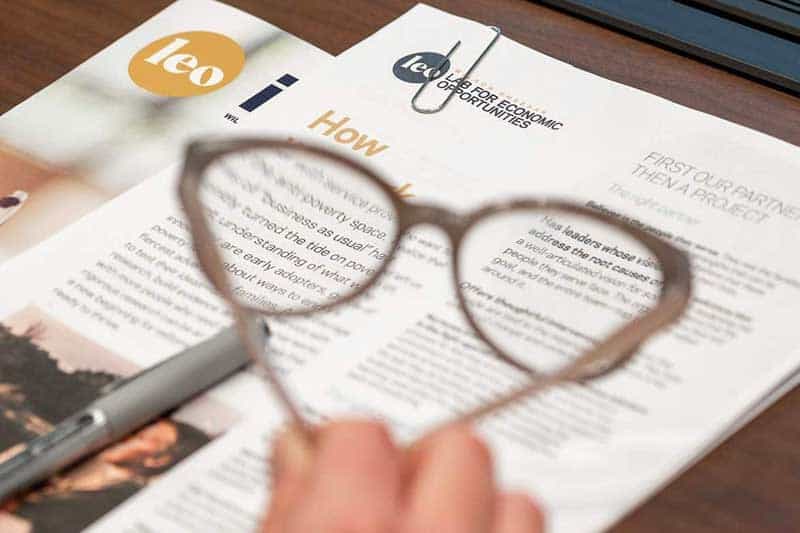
[[187, 64], [420, 67]]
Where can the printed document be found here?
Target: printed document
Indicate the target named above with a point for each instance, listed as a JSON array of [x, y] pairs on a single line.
[[85, 139], [524, 125]]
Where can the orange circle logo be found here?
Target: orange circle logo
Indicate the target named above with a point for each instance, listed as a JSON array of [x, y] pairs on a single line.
[[187, 64]]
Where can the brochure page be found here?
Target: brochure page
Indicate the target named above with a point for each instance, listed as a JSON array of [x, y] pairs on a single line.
[[90, 136]]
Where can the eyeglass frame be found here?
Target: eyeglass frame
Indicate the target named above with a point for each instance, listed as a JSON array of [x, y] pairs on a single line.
[[620, 345]]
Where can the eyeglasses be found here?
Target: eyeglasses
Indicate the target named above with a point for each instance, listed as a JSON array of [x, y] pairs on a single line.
[[559, 291]]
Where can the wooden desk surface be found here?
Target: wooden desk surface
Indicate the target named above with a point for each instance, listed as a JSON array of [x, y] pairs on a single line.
[[750, 483]]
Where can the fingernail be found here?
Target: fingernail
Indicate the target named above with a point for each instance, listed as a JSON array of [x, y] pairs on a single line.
[[293, 454]]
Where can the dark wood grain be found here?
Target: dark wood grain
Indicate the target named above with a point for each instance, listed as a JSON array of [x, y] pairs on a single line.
[[751, 482]]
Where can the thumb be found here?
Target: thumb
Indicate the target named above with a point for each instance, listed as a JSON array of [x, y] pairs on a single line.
[[292, 461]]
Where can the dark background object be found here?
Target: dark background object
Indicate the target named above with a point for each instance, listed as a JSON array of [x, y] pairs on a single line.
[[782, 16], [757, 38], [750, 483]]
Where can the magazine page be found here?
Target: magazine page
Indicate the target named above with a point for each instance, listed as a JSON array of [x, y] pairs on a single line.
[[117, 118], [87, 138]]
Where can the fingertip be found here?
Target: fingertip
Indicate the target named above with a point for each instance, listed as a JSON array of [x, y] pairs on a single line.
[[451, 483], [356, 446], [292, 454], [517, 512], [370, 431], [357, 462], [464, 443], [292, 461]]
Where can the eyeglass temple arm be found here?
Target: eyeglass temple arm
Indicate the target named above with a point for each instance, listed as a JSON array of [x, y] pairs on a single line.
[[248, 324]]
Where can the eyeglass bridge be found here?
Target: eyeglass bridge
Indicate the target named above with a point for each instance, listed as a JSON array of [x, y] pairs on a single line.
[[453, 223]]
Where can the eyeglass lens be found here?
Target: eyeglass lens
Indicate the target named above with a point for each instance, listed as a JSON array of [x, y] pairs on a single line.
[[296, 231], [544, 286]]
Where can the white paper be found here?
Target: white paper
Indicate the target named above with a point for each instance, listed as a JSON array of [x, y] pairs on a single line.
[[736, 217]]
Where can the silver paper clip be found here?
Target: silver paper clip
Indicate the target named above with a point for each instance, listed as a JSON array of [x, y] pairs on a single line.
[[460, 82]]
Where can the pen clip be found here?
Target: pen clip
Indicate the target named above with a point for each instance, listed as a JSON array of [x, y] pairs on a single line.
[[438, 68]]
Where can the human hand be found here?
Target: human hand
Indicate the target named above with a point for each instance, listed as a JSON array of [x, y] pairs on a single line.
[[356, 480]]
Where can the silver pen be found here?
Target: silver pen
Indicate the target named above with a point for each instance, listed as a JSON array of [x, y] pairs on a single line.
[[129, 405]]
